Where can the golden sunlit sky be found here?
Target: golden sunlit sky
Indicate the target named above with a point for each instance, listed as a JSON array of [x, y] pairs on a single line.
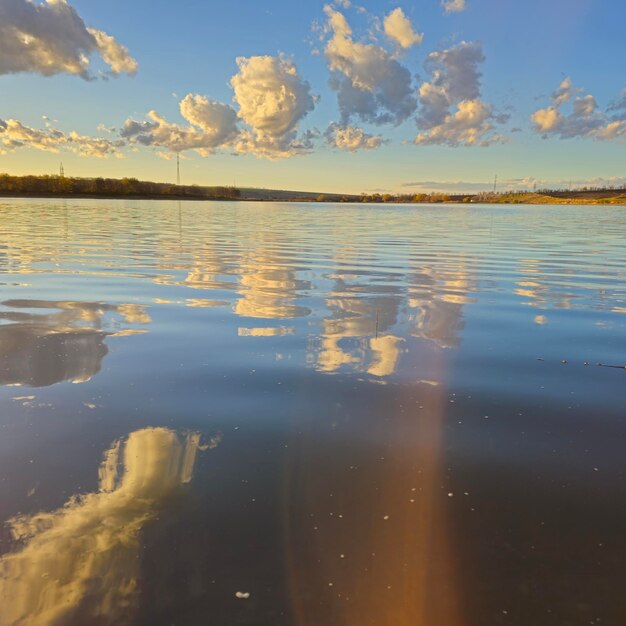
[[345, 96]]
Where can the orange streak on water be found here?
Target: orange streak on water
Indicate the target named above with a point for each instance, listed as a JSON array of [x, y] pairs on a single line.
[[379, 550]]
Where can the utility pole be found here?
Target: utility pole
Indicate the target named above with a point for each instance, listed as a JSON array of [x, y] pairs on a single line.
[[178, 168], [495, 184]]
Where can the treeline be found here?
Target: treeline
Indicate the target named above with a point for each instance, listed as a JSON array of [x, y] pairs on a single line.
[[596, 194], [420, 198], [393, 198], [108, 187]]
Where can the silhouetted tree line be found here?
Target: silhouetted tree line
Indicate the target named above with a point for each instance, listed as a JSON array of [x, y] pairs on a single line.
[[109, 187]]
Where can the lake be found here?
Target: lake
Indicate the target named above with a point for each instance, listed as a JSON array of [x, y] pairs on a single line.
[[309, 414]]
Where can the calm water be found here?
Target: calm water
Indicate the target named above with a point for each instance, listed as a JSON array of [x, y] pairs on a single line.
[[311, 415]]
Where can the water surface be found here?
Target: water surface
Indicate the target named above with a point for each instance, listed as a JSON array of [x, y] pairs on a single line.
[[334, 415]]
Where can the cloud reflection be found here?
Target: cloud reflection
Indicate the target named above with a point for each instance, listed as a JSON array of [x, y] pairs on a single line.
[[82, 560], [43, 342], [268, 288]]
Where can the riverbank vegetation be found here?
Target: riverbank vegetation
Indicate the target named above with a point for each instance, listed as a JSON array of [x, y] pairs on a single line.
[[62, 186], [544, 196], [68, 187]]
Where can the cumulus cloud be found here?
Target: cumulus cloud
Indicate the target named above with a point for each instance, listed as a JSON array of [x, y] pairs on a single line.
[[210, 125], [272, 99], [15, 135], [451, 110], [399, 29], [371, 84], [351, 138], [470, 125], [453, 6], [570, 115], [114, 54], [51, 38]]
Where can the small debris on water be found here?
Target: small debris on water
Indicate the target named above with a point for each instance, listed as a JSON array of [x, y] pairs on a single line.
[[242, 595]]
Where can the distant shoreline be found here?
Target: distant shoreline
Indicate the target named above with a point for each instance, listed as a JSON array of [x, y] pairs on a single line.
[[534, 200], [69, 188], [61, 196]]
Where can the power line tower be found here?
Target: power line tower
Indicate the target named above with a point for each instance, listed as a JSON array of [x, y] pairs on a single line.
[[178, 168], [495, 184], [61, 171]]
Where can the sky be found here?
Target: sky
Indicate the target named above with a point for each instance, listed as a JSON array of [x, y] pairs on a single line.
[[344, 96]]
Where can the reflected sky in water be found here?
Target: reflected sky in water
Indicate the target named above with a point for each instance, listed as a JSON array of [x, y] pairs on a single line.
[[82, 560], [412, 425]]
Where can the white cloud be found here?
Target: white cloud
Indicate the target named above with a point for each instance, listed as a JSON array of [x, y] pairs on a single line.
[[351, 138], [399, 29], [211, 125], [273, 99], [15, 135], [50, 38], [451, 110], [583, 119], [371, 84], [266, 147], [453, 6], [566, 91], [114, 54], [217, 120], [470, 125]]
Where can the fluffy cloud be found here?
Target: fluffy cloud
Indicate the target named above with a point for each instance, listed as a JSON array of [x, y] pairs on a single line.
[[371, 84], [14, 135], [272, 99], [50, 38], [470, 125], [583, 117], [399, 29], [113, 53], [211, 125], [351, 138], [453, 6], [451, 110]]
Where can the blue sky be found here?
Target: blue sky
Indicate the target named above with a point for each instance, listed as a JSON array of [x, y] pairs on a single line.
[[529, 48]]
